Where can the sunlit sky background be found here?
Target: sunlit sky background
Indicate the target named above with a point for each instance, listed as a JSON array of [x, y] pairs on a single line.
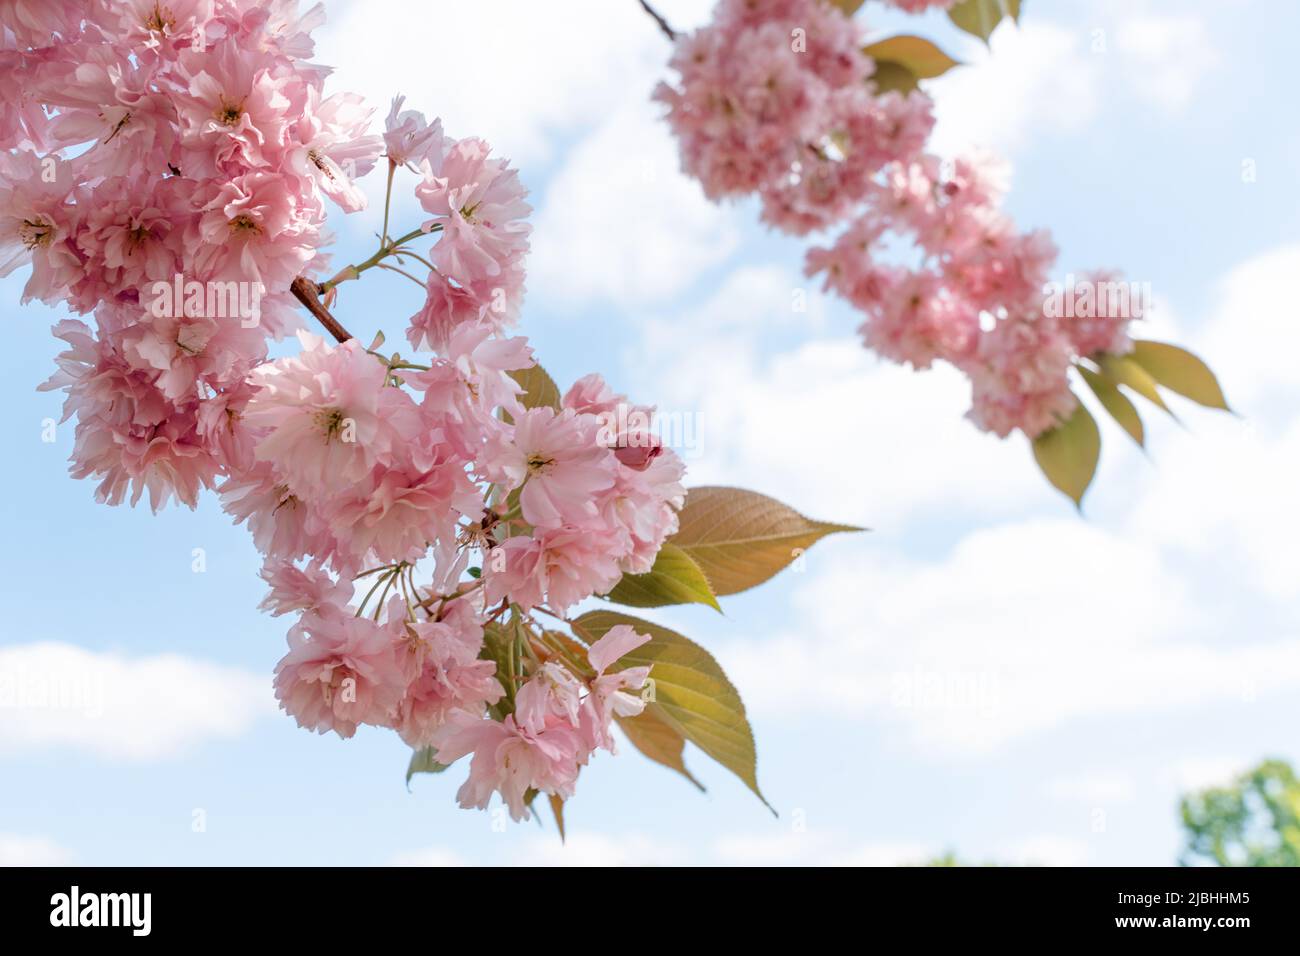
[[1094, 667]]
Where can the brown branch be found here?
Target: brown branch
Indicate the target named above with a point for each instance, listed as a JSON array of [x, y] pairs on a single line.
[[308, 293], [667, 31]]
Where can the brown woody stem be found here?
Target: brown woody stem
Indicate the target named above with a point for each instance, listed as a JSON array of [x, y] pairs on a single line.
[[664, 28], [308, 293]]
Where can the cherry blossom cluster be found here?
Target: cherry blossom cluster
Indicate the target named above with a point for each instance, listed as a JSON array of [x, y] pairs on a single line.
[[163, 157], [775, 99], [369, 469], [366, 469]]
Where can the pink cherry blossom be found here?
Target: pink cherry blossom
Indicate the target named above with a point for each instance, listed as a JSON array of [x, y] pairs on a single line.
[[450, 681], [511, 761], [559, 567], [479, 203], [35, 22], [551, 693], [237, 106], [447, 307], [330, 147], [324, 415], [408, 138], [560, 465], [302, 589], [1020, 377], [341, 671], [609, 691]]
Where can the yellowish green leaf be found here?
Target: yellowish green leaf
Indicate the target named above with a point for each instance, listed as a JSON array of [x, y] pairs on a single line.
[[674, 579], [921, 58], [557, 809], [849, 7], [540, 390], [1068, 454], [1122, 370], [1120, 407], [691, 693], [656, 739], [1180, 371], [980, 18], [741, 538]]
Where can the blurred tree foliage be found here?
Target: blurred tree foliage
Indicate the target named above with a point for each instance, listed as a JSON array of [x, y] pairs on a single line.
[[1254, 821]]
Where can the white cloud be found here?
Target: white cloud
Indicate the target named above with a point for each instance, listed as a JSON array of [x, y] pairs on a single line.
[[428, 856], [1197, 773], [1046, 850], [1095, 788], [1019, 629], [142, 708], [619, 223], [1037, 78], [814, 848], [520, 74], [20, 850], [601, 849], [1253, 335], [1223, 490], [1164, 57], [1044, 77]]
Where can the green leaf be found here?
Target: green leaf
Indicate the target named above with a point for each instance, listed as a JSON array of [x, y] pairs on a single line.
[[422, 762], [741, 538], [499, 647], [1180, 371], [1117, 403], [980, 18], [540, 390], [1122, 370], [692, 694], [921, 58], [674, 579], [658, 740], [1068, 453]]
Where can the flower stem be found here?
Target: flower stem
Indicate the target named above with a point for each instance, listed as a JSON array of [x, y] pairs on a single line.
[[385, 250], [388, 199]]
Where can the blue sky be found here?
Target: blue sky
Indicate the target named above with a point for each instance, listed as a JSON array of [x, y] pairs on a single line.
[[985, 671]]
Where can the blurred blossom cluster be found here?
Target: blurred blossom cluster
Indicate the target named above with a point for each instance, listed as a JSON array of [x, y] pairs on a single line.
[[776, 98]]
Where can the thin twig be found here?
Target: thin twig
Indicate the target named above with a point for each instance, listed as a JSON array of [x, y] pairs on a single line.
[[664, 28], [401, 272]]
